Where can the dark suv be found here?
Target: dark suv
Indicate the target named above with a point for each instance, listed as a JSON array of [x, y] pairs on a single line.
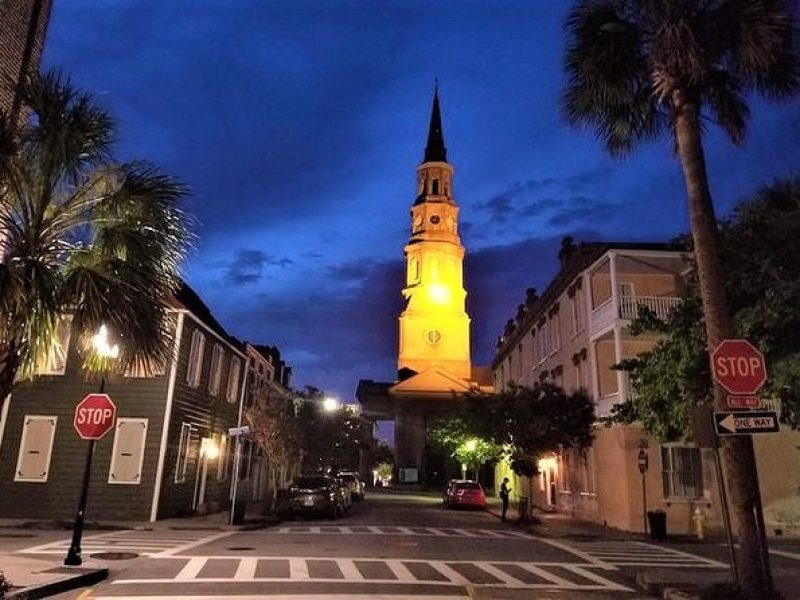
[[316, 494]]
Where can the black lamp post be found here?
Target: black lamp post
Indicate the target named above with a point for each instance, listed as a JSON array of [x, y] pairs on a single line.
[[73, 558]]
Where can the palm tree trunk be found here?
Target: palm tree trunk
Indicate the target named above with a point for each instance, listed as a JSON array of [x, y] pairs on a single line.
[[740, 464], [9, 365]]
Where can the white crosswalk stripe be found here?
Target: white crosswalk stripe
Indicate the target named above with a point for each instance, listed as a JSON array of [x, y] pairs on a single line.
[[144, 543], [641, 554], [395, 530], [503, 574]]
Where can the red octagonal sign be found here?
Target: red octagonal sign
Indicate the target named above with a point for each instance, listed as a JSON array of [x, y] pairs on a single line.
[[94, 416], [738, 367]]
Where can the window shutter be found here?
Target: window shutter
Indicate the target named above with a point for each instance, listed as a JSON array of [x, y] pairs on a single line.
[[128, 453], [35, 448]]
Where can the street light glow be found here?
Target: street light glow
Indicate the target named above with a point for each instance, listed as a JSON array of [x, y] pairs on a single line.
[[101, 345], [330, 404]]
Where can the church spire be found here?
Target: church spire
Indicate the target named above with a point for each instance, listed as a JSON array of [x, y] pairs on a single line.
[[435, 150]]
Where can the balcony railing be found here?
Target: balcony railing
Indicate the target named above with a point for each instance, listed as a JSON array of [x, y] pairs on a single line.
[[661, 306]]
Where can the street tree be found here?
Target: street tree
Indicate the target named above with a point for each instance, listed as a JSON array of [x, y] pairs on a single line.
[[764, 288], [276, 431], [332, 439], [525, 423], [636, 68], [457, 439], [81, 236]]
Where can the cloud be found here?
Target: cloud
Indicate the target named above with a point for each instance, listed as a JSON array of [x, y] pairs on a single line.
[[248, 266]]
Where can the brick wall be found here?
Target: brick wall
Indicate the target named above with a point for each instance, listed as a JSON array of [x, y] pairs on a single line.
[[15, 18]]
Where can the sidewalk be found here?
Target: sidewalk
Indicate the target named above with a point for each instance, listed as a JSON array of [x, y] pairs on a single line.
[[670, 584], [39, 577]]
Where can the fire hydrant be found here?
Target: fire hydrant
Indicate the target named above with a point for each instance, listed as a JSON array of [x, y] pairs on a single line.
[[699, 518]]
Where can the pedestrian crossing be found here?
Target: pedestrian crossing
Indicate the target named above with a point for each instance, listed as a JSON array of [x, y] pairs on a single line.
[[142, 542], [641, 554], [386, 530], [505, 574]]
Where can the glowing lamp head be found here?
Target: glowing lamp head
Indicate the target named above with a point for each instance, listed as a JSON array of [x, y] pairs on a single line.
[[330, 404], [209, 448], [101, 345], [471, 445]]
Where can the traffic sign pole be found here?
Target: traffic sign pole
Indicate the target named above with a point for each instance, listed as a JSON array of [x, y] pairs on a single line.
[[74, 557]]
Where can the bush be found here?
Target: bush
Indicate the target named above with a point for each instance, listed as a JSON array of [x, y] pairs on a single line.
[[5, 584]]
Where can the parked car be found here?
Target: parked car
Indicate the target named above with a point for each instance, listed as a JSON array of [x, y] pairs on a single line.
[[468, 494], [449, 488], [355, 484], [316, 494], [347, 495]]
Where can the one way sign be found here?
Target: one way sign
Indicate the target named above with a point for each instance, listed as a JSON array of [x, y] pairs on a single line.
[[745, 423]]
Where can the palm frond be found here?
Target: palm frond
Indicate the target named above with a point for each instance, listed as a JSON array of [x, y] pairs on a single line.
[[723, 95], [759, 43], [608, 85]]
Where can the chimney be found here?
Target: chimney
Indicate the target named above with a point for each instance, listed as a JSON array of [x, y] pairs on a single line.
[[567, 249]]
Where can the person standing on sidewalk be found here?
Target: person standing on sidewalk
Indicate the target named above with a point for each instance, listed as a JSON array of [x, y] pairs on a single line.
[[504, 492]]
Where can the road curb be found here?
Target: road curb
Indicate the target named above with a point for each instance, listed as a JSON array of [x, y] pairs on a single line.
[[65, 584]]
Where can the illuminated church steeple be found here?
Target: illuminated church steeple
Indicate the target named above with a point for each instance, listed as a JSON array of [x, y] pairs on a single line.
[[434, 327]]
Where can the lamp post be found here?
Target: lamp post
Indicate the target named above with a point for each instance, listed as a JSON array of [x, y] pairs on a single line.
[[643, 462], [106, 351]]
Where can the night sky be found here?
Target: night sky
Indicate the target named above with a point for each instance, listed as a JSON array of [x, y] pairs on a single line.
[[298, 126]]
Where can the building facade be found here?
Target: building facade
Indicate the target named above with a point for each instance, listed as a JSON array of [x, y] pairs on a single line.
[[572, 335], [23, 27], [169, 453]]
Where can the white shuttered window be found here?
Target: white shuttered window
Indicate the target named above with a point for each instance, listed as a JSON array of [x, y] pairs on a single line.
[[184, 451], [195, 367], [215, 377], [128, 453], [233, 379], [35, 448]]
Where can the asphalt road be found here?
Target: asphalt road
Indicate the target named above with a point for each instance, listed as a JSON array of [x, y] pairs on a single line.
[[393, 546]]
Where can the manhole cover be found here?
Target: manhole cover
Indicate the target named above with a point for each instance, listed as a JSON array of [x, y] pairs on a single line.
[[240, 548], [114, 555]]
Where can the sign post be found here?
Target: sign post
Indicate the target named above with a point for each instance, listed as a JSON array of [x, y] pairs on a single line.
[[94, 417]]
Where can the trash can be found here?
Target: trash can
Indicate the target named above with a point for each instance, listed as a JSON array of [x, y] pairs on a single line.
[[657, 522]]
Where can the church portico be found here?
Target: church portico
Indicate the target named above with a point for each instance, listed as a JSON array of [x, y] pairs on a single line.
[[434, 365]]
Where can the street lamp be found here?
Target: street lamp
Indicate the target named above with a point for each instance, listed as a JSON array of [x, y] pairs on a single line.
[[330, 404], [103, 349]]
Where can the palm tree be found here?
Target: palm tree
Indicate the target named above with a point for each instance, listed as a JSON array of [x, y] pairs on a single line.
[[639, 67], [81, 236]]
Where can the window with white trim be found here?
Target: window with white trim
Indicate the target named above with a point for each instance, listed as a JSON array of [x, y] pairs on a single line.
[[577, 315], [555, 333], [195, 366], [215, 375], [234, 371], [184, 451], [224, 458], [587, 464], [682, 471], [35, 448], [127, 456], [52, 359]]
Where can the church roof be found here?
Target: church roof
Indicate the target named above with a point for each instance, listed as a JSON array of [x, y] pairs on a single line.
[[435, 150]]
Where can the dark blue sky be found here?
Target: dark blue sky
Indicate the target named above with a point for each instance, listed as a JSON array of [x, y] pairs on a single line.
[[298, 126]]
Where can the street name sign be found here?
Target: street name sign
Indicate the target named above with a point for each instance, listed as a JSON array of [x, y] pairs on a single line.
[[746, 423], [95, 416], [738, 367], [744, 402], [244, 430]]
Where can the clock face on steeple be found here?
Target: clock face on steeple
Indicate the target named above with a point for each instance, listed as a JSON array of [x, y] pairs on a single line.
[[435, 219]]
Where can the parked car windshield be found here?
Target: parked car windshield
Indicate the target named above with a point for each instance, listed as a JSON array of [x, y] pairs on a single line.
[[471, 485], [348, 477], [307, 482]]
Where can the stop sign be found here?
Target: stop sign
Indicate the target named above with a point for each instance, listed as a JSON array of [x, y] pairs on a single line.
[[94, 416], [738, 367]]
